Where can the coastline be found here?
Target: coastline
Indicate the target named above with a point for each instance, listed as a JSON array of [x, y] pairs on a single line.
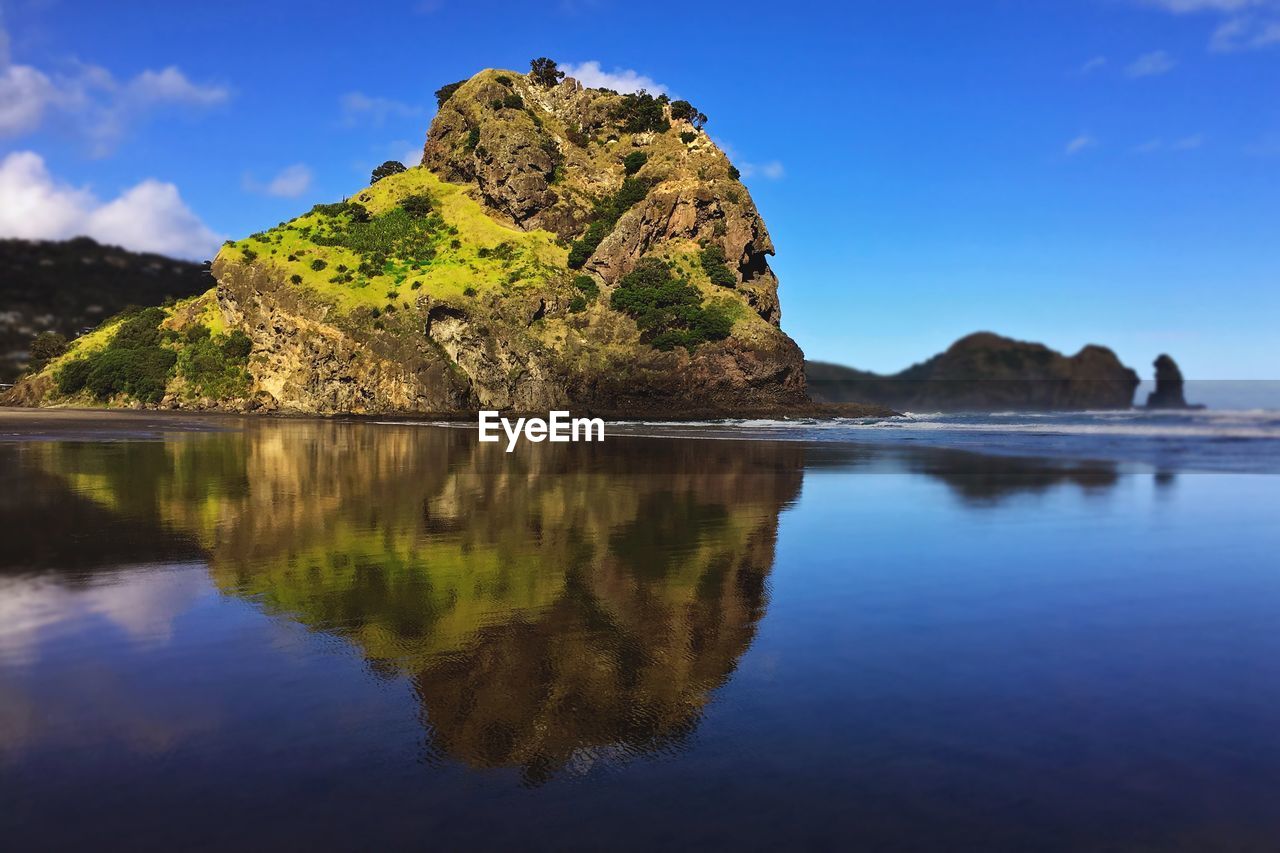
[[61, 414], [1163, 441]]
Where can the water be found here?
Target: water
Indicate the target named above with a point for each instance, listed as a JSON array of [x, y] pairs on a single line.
[[1247, 441], [297, 634]]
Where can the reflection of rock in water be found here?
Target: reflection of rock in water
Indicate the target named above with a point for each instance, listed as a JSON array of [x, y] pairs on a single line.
[[979, 480], [591, 673], [986, 480], [548, 605], [45, 526], [649, 623], [551, 606]]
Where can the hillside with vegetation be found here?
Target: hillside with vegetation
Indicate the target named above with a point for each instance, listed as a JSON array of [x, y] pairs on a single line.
[[559, 246], [52, 290]]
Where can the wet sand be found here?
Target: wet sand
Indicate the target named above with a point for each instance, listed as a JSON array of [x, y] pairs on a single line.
[[18, 421], [108, 423]]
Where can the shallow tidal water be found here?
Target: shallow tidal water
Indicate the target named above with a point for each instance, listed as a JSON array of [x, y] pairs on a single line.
[[260, 634]]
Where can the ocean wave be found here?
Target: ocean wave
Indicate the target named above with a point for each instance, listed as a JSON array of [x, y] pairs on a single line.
[[1137, 430], [1259, 423], [1242, 440]]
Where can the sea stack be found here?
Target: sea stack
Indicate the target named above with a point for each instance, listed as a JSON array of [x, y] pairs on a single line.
[[1168, 393]]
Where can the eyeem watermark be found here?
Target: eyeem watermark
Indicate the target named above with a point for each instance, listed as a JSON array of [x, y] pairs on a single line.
[[558, 428]]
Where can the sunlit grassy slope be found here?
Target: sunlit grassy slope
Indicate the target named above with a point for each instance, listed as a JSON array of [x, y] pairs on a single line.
[[455, 252]]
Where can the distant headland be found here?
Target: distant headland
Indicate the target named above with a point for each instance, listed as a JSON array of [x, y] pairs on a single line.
[[989, 372]]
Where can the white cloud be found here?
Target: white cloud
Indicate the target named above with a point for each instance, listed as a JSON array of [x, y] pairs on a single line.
[[92, 105], [290, 182], [1244, 24], [148, 217], [25, 95], [1185, 143], [772, 170], [152, 217], [397, 149], [34, 206], [591, 75], [1097, 63], [1151, 65], [359, 108], [171, 86], [1182, 7], [90, 100], [1247, 33], [1080, 143]]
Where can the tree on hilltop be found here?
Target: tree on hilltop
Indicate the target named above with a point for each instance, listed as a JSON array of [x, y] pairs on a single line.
[[544, 72], [45, 348], [391, 167], [444, 93], [688, 112]]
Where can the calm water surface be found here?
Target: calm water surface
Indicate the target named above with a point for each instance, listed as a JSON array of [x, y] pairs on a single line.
[[297, 635]]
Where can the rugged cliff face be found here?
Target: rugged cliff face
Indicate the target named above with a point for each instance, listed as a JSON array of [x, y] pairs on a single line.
[[984, 371], [558, 247], [547, 166]]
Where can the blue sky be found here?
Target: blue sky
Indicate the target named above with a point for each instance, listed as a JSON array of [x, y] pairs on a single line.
[[1070, 172]]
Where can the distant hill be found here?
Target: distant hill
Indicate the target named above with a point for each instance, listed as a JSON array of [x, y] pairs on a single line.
[[69, 285], [985, 372]]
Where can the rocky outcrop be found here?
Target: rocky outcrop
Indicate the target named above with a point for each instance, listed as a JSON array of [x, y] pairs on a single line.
[[692, 211], [1168, 393], [485, 278], [548, 164], [30, 392], [305, 360], [511, 156], [987, 372]]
